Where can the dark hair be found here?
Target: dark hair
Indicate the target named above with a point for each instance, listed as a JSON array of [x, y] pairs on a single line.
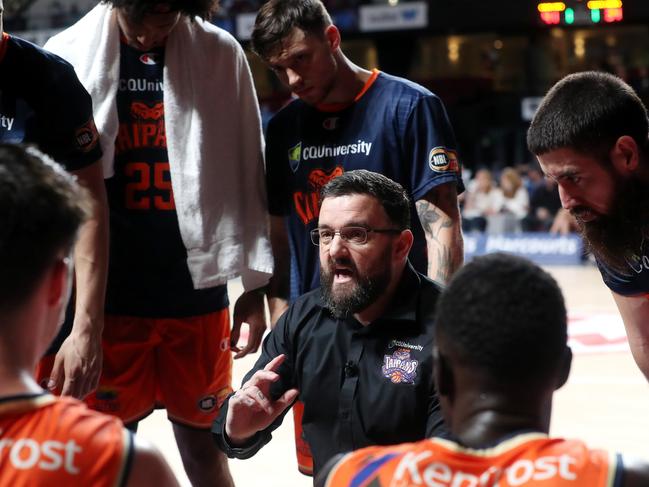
[[588, 112], [41, 209], [137, 9], [276, 19], [505, 316], [391, 195]]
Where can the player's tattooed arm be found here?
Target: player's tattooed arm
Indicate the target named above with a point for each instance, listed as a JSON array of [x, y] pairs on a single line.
[[439, 215]]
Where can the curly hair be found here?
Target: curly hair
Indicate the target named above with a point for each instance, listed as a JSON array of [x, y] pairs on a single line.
[[505, 316], [137, 9]]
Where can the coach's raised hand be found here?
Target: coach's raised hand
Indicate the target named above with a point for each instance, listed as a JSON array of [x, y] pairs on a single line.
[[251, 409]]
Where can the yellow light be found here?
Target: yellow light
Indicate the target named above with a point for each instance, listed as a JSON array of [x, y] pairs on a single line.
[[602, 4], [551, 7], [453, 49]]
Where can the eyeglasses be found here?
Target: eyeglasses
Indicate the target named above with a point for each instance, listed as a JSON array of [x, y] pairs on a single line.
[[353, 235]]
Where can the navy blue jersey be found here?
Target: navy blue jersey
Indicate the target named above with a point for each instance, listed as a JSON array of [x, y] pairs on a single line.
[[148, 274], [396, 128], [632, 283], [42, 102]]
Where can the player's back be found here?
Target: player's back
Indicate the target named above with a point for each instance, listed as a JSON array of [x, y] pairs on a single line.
[[530, 459], [45, 440]]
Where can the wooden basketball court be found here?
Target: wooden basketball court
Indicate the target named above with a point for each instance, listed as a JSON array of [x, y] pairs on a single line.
[[605, 401]]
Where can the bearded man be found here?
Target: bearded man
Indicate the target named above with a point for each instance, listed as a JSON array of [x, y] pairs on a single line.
[[358, 350], [590, 135]]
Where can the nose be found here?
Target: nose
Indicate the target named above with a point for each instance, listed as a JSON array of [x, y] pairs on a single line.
[[337, 247], [294, 79], [568, 201]]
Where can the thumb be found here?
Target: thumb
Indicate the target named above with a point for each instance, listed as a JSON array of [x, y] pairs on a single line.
[[286, 400], [56, 375]]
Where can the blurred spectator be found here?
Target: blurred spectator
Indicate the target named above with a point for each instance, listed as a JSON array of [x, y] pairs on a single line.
[[564, 223], [480, 201], [512, 203], [544, 205]]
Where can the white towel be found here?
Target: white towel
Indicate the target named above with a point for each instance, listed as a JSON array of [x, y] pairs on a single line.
[[213, 133]]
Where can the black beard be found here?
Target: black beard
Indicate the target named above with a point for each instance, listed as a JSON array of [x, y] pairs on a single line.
[[368, 289], [617, 239]]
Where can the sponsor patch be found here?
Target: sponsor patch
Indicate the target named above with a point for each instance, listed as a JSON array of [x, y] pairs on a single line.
[[399, 367], [207, 403], [402, 344], [87, 136], [442, 159], [295, 156]]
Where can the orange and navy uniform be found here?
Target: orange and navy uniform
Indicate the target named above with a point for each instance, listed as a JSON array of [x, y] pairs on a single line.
[[46, 440], [530, 459]]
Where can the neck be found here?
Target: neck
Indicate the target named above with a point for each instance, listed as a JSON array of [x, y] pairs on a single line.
[[481, 419], [349, 82], [18, 358], [378, 307]]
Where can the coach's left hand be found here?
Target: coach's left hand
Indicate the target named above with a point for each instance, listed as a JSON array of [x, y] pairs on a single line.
[[249, 309]]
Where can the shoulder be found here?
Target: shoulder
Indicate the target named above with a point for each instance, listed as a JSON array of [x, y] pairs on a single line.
[[406, 89], [38, 60]]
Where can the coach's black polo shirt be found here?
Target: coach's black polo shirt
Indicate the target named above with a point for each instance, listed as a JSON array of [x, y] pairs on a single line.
[[360, 385]]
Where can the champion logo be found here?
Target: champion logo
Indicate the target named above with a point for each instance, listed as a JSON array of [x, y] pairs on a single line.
[[207, 404], [149, 58]]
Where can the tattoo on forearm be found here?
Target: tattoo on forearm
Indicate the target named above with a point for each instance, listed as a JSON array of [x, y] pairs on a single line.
[[429, 216], [444, 264]]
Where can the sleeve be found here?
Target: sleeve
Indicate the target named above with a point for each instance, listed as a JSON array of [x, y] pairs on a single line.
[[64, 126], [634, 283], [277, 342], [277, 171], [430, 147]]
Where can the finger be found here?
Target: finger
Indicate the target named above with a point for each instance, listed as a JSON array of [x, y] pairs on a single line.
[[256, 396], [287, 399], [260, 378], [70, 387], [56, 375], [234, 335], [254, 339], [274, 364]]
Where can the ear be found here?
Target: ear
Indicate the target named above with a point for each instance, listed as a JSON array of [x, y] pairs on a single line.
[[442, 374], [564, 371], [58, 283], [403, 245], [625, 155], [332, 34]]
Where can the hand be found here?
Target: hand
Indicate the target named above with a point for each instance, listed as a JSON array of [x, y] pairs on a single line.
[[77, 366], [249, 308], [250, 410]]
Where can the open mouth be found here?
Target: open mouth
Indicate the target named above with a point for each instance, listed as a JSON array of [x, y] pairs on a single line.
[[343, 274], [585, 215]]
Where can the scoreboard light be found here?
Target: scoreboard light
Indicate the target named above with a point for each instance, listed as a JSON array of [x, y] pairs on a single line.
[[578, 12]]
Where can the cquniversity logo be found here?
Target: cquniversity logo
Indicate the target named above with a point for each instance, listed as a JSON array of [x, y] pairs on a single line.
[[295, 156]]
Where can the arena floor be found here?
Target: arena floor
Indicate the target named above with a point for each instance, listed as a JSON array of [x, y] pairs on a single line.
[[605, 401]]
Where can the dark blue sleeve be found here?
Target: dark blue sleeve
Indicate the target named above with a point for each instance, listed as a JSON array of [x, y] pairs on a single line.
[[634, 283], [430, 147], [63, 126]]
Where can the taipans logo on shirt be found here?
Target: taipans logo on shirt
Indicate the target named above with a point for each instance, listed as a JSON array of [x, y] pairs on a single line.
[[441, 159], [149, 58], [330, 123], [87, 136], [307, 205], [399, 367], [295, 156]]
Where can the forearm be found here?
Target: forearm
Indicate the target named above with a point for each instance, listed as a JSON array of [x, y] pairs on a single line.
[[439, 215], [91, 266]]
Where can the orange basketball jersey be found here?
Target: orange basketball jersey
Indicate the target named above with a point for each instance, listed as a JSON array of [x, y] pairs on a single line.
[[47, 440], [530, 459]]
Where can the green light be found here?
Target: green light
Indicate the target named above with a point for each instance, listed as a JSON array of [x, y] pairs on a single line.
[[569, 16], [595, 16]]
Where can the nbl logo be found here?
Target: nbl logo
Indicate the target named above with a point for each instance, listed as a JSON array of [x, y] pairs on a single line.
[[441, 159]]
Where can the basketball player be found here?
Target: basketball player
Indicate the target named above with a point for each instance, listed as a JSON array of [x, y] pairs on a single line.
[[590, 135], [175, 104], [43, 102], [500, 354], [47, 440]]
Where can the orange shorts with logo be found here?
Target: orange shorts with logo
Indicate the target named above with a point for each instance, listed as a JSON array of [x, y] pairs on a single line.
[[181, 364]]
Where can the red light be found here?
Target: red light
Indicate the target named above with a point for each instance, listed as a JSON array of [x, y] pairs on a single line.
[[551, 18], [612, 15]]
